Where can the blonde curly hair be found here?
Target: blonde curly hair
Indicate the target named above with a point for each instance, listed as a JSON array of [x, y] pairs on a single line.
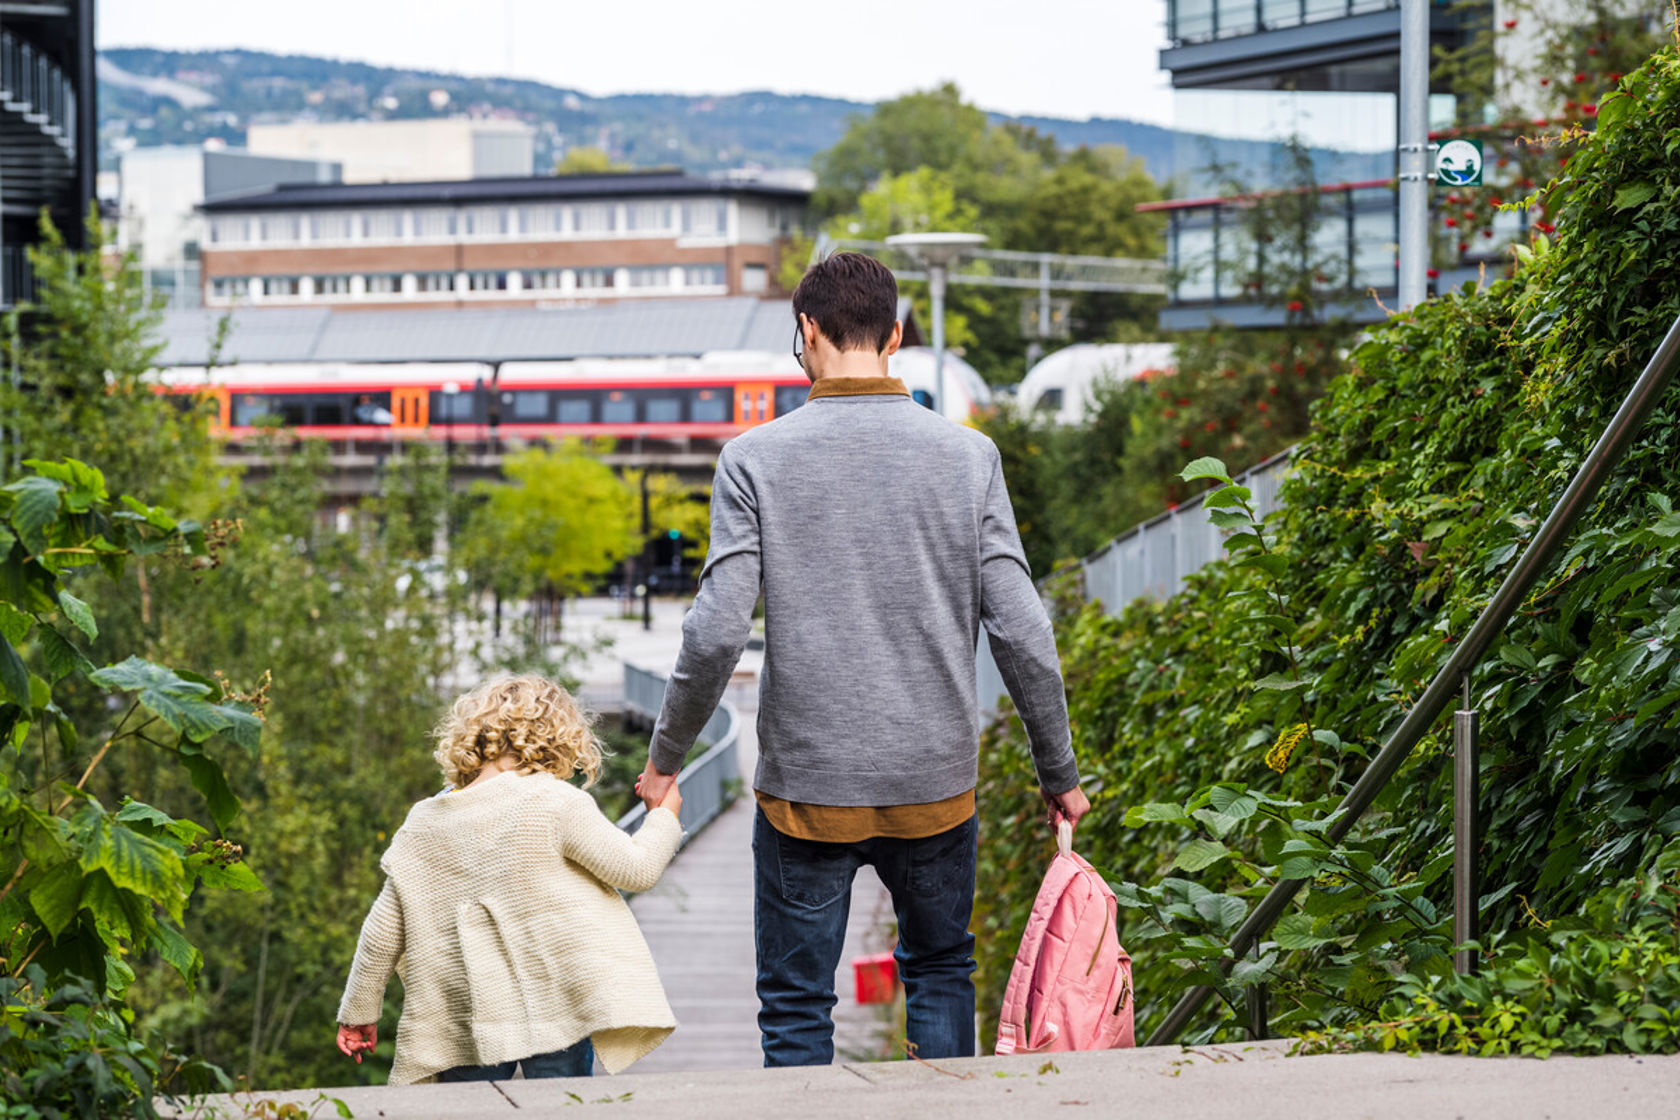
[[529, 716]]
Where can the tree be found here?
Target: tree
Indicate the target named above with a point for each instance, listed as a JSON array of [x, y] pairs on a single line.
[[563, 513], [587, 161]]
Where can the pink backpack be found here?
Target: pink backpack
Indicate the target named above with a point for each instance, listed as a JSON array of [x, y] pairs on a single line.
[[1071, 987]]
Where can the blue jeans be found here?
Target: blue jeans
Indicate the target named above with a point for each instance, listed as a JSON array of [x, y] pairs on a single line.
[[801, 894], [576, 1060]]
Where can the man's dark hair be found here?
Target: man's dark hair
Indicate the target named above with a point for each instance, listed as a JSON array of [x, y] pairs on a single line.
[[852, 298]]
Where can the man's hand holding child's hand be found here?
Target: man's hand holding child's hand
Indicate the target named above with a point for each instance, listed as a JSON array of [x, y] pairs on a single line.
[[658, 790]]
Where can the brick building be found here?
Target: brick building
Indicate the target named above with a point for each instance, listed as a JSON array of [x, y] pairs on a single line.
[[517, 242]]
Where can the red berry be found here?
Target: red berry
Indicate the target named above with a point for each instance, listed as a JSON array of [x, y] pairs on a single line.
[[1184, 402], [1510, 23], [1590, 110], [1452, 199], [1592, 50], [1614, 75], [1433, 273], [1579, 78], [1211, 426], [1545, 81], [1463, 245], [1502, 162], [1183, 441], [1539, 122], [1569, 106], [1300, 367], [1294, 305], [1273, 389], [1277, 367], [1451, 222], [1169, 413], [1262, 405], [1487, 233]]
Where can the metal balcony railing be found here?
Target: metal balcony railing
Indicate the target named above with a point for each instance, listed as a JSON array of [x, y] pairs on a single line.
[[1199, 21], [33, 86]]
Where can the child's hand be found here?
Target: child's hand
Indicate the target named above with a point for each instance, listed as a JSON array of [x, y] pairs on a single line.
[[672, 800], [354, 1041]]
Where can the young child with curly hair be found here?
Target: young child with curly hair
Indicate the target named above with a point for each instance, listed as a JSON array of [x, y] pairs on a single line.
[[501, 905]]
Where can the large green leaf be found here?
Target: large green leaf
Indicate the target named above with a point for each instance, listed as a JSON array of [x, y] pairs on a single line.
[[14, 624], [1222, 911], [79, 614], [14, 677], [174, 948], [1200, 853], [208, 779], [61, 657], [56, 897], [1205, 467], [179, 702], [1295, 931], [136, 863], [35, 505]]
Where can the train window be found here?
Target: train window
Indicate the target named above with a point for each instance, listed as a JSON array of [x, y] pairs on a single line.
[[293, 413], [372, 409], [710, 406], [618, 408], [576, 410], [329, 412], [528, 404], [790, 397], [453, 406], [248, 410], [664, 410], [1050, 401]]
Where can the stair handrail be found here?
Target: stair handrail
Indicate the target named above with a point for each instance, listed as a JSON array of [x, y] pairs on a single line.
[[1612, 444]]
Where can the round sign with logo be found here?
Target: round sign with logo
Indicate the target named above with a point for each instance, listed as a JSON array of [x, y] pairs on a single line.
[[1459, 164]]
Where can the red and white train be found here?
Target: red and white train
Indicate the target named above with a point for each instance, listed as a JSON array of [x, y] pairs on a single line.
[[714, 396]]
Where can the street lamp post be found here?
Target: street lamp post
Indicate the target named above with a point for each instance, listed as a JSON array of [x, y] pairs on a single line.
[[936, 252], [451, 389]]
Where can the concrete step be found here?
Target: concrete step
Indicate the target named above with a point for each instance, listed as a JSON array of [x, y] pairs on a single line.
[[1254, 1082]]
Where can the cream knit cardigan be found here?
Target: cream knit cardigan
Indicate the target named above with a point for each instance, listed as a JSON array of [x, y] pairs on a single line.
[[502, 903]]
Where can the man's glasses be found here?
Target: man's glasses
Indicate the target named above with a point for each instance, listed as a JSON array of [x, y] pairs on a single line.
[[799, 344]]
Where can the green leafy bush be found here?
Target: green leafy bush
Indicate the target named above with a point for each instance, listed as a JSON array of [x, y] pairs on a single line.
[[87, 890], [1431, 464]]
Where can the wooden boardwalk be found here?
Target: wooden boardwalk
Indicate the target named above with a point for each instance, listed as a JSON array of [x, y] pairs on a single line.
[[699, 923]]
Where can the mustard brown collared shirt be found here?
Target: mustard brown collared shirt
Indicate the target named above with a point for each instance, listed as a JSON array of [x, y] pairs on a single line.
[[881, 538]]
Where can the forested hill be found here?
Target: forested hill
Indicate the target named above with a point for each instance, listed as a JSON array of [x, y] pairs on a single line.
[[149, 97]]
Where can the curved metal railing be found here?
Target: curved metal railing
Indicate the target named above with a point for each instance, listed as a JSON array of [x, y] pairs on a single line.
[[710, 782]]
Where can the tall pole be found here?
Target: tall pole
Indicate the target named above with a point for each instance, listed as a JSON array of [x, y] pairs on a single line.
[[1414, 152], [645, 567], [936, 288]]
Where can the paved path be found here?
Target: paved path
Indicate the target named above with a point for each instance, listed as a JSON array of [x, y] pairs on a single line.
[[1254, 1082]]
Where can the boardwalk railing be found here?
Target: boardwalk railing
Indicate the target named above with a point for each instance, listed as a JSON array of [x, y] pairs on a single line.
[[1153, 559], [710, 782]]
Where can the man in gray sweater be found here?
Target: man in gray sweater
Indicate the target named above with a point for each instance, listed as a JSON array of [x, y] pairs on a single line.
[[881, 537]]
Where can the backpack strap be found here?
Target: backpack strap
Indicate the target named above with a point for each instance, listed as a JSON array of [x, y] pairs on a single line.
[[1012, 1020]]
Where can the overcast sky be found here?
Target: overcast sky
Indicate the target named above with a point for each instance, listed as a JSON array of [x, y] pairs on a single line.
[[1064, 58]]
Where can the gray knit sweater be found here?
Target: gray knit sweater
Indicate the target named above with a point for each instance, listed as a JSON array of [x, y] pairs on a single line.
[[882, 539]]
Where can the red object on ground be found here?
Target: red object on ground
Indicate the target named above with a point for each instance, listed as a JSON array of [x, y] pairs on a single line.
[[877, 978]]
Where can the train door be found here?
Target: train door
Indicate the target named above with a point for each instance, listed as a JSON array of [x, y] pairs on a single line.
[[752, 403], [409, 408]]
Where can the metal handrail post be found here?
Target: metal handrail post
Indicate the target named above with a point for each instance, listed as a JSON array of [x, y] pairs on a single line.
[[1466, 833], [1601, 460]]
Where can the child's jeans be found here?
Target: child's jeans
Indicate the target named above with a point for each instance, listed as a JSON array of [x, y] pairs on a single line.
[[577, 1060]]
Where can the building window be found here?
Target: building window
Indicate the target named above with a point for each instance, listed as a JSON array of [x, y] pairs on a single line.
[[711, 406], [541, 280], [230, 287], [435, 281], [595, 217], [704, 276], [706, 219], [650, 276], [485, 221], [594, 278], [542, 219], [382, 225], [384, 283], [334, 285], [281, 285], [487, 281], [754, 278], [230, 229], [648, 217], [434, 223], [330, 226], [280, 228]]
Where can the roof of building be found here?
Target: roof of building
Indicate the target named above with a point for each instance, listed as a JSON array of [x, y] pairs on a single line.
[[652, 328], [523, 188]]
